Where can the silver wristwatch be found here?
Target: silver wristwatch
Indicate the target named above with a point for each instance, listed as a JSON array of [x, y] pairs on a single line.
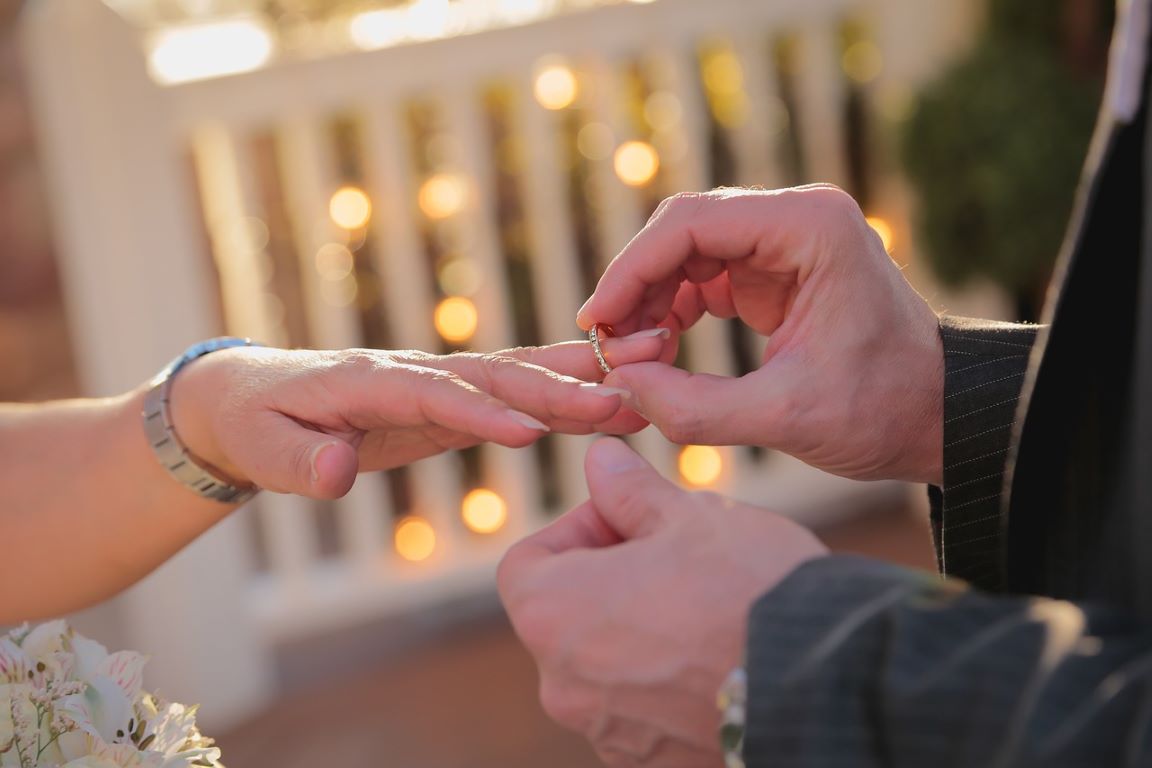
[[166, 444]]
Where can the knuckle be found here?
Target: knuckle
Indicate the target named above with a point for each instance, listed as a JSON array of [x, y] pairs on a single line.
[[686, 204], [560, 704], [361, 360], [300, 460], [836, 200], [681, 424], [521, 354]]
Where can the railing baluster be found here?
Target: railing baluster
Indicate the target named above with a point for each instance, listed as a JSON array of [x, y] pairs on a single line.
[[306, 159], [555, 274], [408, 296], [306, 166], [820, 95], [291, 538], [228, 204], [677, 71], [227, 201], [512, 473], [756, 139], [619, 210]]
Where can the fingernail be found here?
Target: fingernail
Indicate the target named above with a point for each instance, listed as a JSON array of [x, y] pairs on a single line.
[[651, 333], [580, 312], [602, 391], [527, 421], [315, 462]]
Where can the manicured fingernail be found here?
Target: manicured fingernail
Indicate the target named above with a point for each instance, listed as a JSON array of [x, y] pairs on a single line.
[[602, 391], [527, 421], [580, 312], [651, 333], [317, 452]]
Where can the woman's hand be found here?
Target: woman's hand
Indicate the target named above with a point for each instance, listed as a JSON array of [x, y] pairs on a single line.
[[852, 374], [306, 422]]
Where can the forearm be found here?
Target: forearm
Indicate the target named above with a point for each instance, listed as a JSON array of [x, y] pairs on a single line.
[[86, 508], [856, 663]]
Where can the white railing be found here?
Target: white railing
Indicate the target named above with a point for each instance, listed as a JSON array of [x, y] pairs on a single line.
[[139, 286]]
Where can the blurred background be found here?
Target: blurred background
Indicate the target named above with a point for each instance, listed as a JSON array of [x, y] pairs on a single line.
[[454, 174]]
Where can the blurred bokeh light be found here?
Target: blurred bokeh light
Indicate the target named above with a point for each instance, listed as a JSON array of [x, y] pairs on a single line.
[[700, 465], [484, 511], [350, 208], [415, 539], [456, 319], [555, 86], [636, 163]]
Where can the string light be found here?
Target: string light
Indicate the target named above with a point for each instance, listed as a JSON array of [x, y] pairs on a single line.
[[700, 465], [456, 319], [443, 196], [556, 87], [415, 539], [636, 163], [350, 208], [484, 511]]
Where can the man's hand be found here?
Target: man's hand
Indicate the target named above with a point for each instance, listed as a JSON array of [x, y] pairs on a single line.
[[306, 422], [852, 373], [635, 607]]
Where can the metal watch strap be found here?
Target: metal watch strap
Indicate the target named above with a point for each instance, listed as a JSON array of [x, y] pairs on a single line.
[[166, 444]]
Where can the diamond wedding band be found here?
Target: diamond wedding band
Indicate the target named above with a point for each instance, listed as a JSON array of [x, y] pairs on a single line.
[[594, 336]]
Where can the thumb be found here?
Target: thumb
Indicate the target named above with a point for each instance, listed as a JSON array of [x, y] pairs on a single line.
[[630, 495], [700, 407], [280, 455]]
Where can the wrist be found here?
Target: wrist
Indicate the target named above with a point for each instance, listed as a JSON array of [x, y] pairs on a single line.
[[194, 403], [920, 403]]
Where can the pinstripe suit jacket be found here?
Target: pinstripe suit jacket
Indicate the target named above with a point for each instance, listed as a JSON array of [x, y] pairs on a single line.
[[1042, 654]]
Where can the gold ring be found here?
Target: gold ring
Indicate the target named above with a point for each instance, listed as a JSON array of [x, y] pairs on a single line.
[[594, 337]]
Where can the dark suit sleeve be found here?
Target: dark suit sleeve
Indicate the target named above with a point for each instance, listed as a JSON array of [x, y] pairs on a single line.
[[853, 663], [984, 367]]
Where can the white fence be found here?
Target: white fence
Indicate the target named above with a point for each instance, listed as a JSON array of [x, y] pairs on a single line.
[[146, 180]]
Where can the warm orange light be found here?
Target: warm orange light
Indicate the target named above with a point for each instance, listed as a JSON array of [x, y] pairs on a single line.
[[556, 87], [484, 511], [415, 539], [350, 208], [700, 465], [442, 196], [636, 163], [456, 319], [883, 229]]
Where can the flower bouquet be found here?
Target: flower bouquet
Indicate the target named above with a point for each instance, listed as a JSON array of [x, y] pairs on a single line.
[[65, 701]]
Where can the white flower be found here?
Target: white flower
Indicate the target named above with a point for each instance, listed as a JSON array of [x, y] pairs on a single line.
[[66, 701], [14, 662]]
